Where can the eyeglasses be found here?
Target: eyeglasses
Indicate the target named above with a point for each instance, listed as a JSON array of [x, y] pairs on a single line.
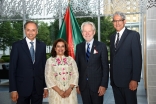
[[115, 21]]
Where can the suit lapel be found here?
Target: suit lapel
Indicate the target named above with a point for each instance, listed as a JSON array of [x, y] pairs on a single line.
[[25, 48], [113, 41], [84, 50], [124, 35]]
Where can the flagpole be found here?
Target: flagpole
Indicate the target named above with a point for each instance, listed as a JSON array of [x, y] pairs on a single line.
[[60, 14], [68, 2], [99, 38], [24, 17]]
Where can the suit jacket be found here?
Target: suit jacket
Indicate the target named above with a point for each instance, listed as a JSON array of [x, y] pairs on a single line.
[[96, 69], [23, 73], [126, 61]]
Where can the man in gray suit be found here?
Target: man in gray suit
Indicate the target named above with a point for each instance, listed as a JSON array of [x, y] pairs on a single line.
[[92, 62], [125, 61]]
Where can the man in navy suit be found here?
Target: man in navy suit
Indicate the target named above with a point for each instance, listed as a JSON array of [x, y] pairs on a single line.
[[125, 61], [92, 62], [26, 75]]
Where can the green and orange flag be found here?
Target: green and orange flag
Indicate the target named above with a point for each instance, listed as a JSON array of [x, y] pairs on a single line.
[[70, 31]]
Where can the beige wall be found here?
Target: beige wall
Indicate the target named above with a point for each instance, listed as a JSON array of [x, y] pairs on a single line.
[[126, 6], [151, 54]]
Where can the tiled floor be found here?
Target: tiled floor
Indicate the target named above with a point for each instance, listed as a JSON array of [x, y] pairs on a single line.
[[108, 98]]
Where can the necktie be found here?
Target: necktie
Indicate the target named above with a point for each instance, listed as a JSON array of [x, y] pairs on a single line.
[[88, 51], [32, 51], [117, 41]]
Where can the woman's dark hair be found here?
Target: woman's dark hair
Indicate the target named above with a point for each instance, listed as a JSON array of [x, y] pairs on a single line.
[[53, 52]]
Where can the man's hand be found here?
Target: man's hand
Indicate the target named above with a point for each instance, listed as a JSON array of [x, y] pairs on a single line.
[[14, 96], [78, 90], [133, 85], [45, 93], [101, 90]]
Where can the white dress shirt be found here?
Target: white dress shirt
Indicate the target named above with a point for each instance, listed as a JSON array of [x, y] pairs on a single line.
[[90, 46], [120, 34]]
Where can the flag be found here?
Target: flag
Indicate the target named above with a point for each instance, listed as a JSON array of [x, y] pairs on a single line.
[[70, 31]]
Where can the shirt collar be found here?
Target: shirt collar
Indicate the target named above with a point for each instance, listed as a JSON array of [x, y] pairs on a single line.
[[121, 31], [91, 42], [28, 40]]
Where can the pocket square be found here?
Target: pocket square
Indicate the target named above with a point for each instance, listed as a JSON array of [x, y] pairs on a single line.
[[95, 51]]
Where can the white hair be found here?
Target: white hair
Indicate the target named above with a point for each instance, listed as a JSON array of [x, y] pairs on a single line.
[[88, 23]]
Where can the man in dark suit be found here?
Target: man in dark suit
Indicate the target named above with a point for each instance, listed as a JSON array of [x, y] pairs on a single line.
[[92, 62], [26, 73], [125, 61]]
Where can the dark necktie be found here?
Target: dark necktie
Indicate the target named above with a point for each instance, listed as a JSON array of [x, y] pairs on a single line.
[[32, 51], [117, 40], [88, 51]]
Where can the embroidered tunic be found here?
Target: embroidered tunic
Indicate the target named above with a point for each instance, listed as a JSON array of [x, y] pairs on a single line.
[[61, 73]]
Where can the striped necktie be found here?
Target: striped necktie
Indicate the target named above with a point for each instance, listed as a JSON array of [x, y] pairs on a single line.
[[117, 41], [88, 51], [32, 53]]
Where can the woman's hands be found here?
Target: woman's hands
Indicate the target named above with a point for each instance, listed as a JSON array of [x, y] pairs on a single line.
[[62, 93], [67, 92]]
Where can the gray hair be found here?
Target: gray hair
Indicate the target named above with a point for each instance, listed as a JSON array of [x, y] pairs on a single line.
[[88, 23], [120, 14]]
